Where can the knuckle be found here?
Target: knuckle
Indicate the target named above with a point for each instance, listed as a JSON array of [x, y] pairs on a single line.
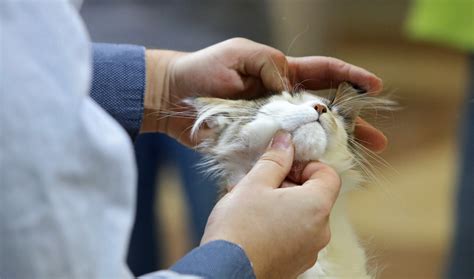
[[273, 159], [325, 238], [311, 261], [332, 174], [323, 209], [270, 161], [327, 169], [277, 55], [336, 63], [278, 58], [238, 40]]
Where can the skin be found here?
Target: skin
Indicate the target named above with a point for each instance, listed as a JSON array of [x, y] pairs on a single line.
[[281, 229]]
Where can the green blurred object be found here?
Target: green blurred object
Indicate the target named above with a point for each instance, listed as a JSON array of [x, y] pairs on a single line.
[[448, 22]]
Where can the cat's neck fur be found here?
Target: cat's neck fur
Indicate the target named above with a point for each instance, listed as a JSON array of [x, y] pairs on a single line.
[[343, 257]]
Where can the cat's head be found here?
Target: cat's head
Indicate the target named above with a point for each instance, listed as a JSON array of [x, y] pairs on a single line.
[[239, 131]]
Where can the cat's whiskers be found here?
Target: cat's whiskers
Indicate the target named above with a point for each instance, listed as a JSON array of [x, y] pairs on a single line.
[[332, 94], [372, 155], [188, 130], [379, 178], [299, 85], [360, 163], [366, 155], [293, 41], [284, 82]]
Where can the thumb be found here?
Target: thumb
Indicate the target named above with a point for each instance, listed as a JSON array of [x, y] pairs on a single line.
[[274, 165]]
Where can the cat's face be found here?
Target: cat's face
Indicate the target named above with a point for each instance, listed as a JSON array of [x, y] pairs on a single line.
[[241, 130], [318, 131]]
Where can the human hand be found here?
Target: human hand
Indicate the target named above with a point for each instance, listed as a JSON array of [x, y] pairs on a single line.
[[240, 68], [280, 229]]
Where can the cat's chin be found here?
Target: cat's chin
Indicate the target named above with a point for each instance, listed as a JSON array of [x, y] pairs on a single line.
[[310, 141]]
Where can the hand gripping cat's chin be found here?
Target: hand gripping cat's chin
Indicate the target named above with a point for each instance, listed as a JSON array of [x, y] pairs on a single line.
[[239, 131]]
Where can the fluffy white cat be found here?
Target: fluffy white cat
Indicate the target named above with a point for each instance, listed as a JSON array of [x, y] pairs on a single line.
[[322, 130]]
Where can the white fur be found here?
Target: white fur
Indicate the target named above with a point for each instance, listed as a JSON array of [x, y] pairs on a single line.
[[316, 137]]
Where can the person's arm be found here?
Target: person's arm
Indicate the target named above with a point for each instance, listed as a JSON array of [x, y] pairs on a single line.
[[118, 83], [214, 260]]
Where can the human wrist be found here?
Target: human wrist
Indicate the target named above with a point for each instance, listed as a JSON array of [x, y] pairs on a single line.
[[157, 89]]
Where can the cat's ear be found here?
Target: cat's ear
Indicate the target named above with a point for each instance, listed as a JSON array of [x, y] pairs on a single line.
[[212, 115], [349, 102]]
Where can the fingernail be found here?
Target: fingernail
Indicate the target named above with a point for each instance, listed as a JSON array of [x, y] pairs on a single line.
[[281, 140]]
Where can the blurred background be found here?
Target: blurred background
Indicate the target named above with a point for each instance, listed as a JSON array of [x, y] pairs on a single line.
[[406, 218]]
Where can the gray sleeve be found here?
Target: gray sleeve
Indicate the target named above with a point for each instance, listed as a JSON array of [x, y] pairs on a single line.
[[118, 83], [67, 168]]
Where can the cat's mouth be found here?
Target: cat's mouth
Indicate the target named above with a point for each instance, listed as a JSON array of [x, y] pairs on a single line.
[[327, 123], [304, 125]]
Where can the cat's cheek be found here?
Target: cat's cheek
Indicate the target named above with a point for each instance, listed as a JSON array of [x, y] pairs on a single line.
[[259, 133], [310, 142]]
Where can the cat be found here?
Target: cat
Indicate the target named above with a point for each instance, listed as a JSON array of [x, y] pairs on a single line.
[[322, 129]]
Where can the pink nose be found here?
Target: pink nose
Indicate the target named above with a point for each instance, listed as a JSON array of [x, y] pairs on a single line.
[[320, 108]]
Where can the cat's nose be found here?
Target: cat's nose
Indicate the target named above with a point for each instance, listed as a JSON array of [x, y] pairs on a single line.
[[320, 108]]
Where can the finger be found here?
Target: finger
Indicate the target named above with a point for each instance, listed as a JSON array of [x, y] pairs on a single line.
[[288, 184], [318, 72], [322, 182], [253, 88], [274, 165], [369, 136], [266, 63]]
